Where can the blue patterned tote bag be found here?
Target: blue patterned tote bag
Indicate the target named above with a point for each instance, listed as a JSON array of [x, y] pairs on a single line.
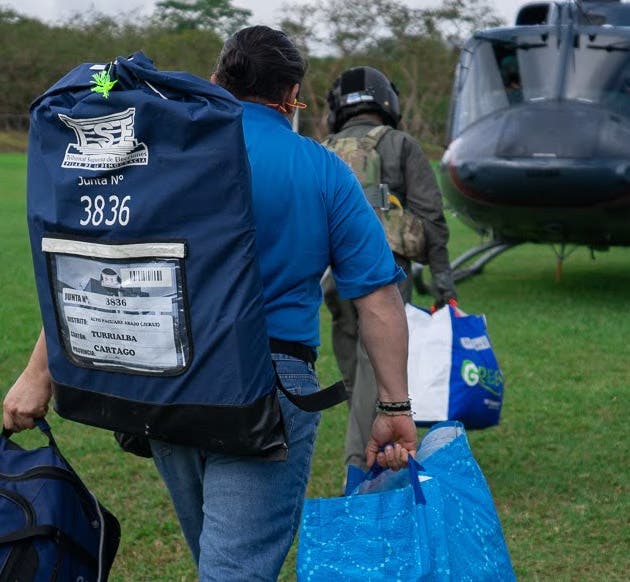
[[434, 522], [477, 551], [381, 531]]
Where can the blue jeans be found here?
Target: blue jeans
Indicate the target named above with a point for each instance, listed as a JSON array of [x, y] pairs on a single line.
[[240, 515]]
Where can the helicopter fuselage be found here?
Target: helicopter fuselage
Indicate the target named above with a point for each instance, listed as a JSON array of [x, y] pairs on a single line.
[[540, 134]]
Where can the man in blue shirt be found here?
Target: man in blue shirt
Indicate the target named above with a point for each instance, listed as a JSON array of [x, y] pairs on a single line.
[[240, 514], [309, 212]]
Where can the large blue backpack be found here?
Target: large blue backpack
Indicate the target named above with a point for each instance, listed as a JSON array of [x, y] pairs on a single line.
[[143, 241]]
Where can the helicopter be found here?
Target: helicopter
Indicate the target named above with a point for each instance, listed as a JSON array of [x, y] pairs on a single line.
[[539, 132]]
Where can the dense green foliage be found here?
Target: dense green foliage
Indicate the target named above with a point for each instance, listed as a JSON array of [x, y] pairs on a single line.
[[557, 463], [37, 55], [217, 15], [413, 47]]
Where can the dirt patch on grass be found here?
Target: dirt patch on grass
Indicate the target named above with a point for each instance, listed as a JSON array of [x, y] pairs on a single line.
[[13, 142]]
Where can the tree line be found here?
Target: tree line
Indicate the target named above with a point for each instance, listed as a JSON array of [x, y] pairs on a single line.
[[416, 48]]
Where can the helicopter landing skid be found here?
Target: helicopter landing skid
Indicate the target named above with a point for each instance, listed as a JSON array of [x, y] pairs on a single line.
[[463, 269]]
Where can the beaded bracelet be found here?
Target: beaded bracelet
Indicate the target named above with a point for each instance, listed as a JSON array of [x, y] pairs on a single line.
[[394, 408]]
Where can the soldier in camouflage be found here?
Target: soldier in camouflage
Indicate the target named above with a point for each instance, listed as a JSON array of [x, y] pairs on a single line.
[[362, 99]]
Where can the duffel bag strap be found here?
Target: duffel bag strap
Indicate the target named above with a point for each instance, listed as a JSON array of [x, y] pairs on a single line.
[[43, 426], [320, 400]]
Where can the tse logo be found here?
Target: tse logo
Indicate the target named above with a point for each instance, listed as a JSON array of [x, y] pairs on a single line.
[[104, 143]]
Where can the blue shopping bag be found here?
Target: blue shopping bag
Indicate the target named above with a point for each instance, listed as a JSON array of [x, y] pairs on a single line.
[[453, 371], [477, 551], [436, 521], [380, 533]]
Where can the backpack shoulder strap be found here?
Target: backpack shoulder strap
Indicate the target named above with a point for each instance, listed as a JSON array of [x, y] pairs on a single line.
[[329, 142], [369, 143], [375, 134]]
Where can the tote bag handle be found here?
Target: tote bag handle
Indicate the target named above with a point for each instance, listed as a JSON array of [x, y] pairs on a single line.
[[414, 468]]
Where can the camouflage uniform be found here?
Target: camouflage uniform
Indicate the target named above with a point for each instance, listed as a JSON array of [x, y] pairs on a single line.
[[410, 178]]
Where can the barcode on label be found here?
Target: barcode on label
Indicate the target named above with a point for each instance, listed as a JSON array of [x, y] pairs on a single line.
[[146, 277], [141, 276]]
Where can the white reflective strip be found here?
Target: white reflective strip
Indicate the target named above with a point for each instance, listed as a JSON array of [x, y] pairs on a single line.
[[154, 89], [113, 251]]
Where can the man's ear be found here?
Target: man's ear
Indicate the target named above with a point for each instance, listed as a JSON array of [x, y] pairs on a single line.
[[295, 91], [213, 78]]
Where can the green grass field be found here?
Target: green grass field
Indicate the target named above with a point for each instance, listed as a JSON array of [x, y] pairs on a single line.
[[558, 464]]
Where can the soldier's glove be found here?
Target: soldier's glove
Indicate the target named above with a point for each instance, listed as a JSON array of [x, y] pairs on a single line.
[[444, 290]]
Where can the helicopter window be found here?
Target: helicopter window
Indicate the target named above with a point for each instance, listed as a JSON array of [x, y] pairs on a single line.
[[618, 98], [502, 73], [598, 72], [533, 14], [511, 77], [482, 89], [600, 13], [591, 18]]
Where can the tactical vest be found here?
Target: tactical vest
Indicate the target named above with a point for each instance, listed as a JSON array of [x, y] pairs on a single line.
[[143, 242], [404, 230]]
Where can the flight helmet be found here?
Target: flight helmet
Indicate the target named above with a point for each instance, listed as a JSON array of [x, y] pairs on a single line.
[[362, 89]]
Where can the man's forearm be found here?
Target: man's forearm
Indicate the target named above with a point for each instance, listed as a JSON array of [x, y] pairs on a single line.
[[383, 331], [28, 398], [38, 362]]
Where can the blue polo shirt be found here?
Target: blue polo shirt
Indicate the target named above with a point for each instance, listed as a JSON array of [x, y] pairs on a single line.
[[309, 211]]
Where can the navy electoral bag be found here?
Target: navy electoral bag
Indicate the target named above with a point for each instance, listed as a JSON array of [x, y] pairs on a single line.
[[143, 241], [51, 526]]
